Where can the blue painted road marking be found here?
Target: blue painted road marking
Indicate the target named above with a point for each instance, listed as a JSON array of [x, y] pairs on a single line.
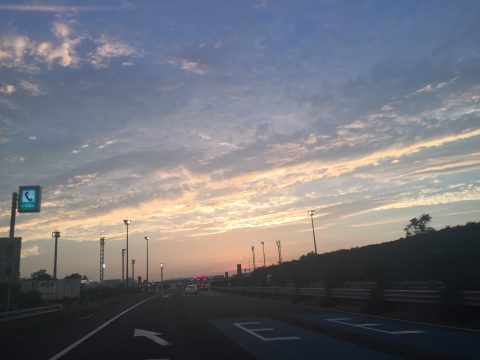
[[266, 339], [457, 343]]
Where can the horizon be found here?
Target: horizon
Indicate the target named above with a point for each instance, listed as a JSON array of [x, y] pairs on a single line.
[[214, 127]]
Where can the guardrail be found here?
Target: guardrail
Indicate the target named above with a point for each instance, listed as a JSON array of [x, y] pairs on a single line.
[[469, 298], [19, 314]]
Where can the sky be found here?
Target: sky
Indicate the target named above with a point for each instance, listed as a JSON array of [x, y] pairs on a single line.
[[216, 125]]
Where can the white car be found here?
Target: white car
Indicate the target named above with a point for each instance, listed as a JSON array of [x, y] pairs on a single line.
[[191, 290]]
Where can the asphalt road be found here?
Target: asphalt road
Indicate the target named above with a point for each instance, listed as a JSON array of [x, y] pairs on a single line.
[[214, 325]]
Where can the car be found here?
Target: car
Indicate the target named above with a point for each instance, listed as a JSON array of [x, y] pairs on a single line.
[[191, 290]]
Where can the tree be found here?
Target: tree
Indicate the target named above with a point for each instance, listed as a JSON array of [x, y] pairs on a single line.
[[74, 276], [418, 225], [41, 275]]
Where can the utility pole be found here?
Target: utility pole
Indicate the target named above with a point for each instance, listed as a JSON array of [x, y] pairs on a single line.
[[263, 246], [102, 258], [253, 255], [311, 213], [56, 235], [279, 245], [123, 266]]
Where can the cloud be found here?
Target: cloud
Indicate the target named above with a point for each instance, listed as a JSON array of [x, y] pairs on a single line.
[[434, 87], [33, 89], [106, 143], [110, 48], [13, 49], [7, 89], [23, 53], [468, 193], [63, 53], [261, 4], [18, 51], [30, 251], [55, 8], [188, 66]]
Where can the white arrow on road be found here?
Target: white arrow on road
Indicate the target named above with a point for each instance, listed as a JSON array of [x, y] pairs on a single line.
[[151, 335]]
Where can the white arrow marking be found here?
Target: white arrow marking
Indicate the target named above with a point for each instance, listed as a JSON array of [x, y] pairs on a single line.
[[151, 335]]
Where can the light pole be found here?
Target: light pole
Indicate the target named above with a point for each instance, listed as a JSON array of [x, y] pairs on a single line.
[[263, 245], [311, 213], [133, 269], [147, 238], [253, 256], [127, 222], [56, 235], [123, 266], [102, 258], [161, 272]]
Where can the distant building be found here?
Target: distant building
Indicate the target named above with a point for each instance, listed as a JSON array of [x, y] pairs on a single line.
[[10, 259], [112, 282]]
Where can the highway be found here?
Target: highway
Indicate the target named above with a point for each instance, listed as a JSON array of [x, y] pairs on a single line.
[[215, 325]]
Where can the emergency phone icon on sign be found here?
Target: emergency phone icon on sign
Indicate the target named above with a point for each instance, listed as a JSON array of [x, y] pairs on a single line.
[[29, 196], [29, 199]]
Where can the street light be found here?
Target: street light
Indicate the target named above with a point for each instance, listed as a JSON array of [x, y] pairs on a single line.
[[161, 272], [147, 238], [263, 245], [253, 255], [311, 213], [133, 270], [102, 258], [123, 266], [127, 222], [56, 235]]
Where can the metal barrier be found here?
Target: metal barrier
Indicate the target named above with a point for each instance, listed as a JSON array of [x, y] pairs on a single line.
[[470, 298], [413, 296], [19, 314]]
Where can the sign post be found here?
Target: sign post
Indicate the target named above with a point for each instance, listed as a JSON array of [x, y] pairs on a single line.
[[28, 200]]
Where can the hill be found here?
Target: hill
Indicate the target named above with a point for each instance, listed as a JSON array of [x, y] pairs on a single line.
[[450, 255]]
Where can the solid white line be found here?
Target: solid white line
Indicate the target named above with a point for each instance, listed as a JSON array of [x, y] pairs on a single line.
[[369, 327], [253, 332], [78, 342]]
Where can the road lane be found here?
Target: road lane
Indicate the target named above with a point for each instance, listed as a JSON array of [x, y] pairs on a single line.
[[215, 325]]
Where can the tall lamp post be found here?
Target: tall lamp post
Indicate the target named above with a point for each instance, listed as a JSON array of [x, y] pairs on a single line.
[[263, 245], [253, 256], [102, 258], [311, 213], [123, 266], [133, 269], [147, 238], [56, 235], [161, 272], [127, 222]]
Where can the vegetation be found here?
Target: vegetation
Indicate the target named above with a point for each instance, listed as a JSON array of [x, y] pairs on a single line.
[[448, 256], [418, 226], [41, 275]]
